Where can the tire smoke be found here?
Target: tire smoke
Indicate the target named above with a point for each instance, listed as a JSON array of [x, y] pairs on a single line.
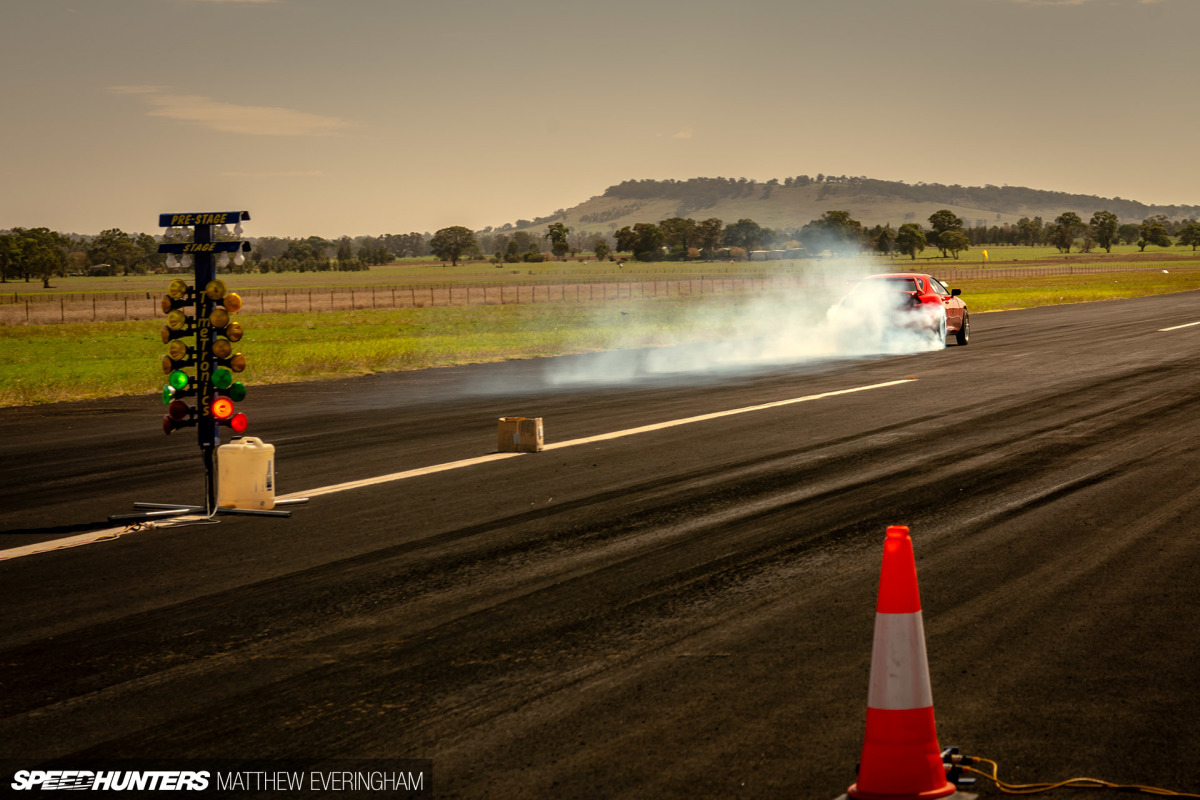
[[830, 315]]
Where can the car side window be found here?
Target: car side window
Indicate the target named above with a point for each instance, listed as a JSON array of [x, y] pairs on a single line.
[[938, 288]]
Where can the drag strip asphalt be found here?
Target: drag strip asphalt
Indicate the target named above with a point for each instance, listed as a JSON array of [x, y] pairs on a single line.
[[683, 612], [108, 535]]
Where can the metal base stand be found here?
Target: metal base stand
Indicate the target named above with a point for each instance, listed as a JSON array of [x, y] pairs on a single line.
[[166, 510]]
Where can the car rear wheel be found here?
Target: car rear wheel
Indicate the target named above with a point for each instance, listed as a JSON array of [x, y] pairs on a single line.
[[963, 335], [939, 331]]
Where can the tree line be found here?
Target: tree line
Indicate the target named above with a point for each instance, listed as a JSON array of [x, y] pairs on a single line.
[[836, 233], [700, 193], [40, 253], [27, 253]]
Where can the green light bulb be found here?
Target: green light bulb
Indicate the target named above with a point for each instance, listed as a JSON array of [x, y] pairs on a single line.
[[222, 378], [237, 392], [178, 379]]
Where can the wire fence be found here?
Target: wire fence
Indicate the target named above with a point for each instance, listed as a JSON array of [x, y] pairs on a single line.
[[86, 307], [63, 308]]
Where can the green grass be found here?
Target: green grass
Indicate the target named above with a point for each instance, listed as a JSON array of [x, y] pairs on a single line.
[[996, 295], [419, 273], [49, 363]]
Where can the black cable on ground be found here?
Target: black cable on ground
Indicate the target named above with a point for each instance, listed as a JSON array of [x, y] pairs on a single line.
[[967, 762]]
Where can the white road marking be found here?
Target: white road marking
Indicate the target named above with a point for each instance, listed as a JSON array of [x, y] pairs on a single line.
[[398, 476], [112, 533], [1177, 327], [717, 415], [57, 544]]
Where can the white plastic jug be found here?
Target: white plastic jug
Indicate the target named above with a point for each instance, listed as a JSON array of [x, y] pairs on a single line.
[[246, 474]]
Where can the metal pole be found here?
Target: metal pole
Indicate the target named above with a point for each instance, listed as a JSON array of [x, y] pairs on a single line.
[[208, 432]]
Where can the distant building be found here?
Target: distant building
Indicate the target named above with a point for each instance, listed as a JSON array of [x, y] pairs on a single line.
[[776, 255]]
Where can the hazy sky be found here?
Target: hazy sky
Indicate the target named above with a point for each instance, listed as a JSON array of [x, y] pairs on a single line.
[[336, 117]]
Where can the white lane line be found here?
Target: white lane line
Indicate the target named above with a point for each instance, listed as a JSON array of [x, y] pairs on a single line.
[[1177, 327], [58, 544], [717, 415], [112, 533], [412, 473], [398, 476]]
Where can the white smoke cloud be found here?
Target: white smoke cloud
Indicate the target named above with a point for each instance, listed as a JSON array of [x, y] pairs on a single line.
[[828, 316]]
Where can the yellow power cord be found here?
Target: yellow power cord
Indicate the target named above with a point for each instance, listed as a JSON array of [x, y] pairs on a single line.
[[1073, 783]]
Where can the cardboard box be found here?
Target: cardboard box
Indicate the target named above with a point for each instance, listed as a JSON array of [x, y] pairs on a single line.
[[520, 435]]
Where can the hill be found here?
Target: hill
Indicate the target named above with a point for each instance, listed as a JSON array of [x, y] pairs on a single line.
[[793, 202]]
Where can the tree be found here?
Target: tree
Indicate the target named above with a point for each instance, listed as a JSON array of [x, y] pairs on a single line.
[[374, 250], [941, 222], [118, 249], [1066, 227], [747, 234], [1154, 231], [679, 234], [1104, 229], [649, 242], [709, 235], [626, 239], [449, 244], [313, 249], [557, 234], [910, 239], [953, 241], [526, 242], [1089, 239], [1129, 232], [1189, 234], [39, 252], [835, 231], [945, 220], [1026, 232], [8, 254], [600, 248], [885, 241], [406, 245], [302, 250]]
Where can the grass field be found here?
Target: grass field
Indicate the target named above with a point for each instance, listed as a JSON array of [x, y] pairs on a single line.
[[48, 363], [423, 272], [413, 272], [998, 295]]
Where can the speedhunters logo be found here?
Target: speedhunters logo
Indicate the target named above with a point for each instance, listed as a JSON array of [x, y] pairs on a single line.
[[117, 781], [409, 778]]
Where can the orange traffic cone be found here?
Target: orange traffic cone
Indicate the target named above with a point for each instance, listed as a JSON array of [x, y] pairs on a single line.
[[901, 759]]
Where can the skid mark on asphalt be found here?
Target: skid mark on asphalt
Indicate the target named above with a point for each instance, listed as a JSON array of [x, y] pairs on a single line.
[[113, 533]]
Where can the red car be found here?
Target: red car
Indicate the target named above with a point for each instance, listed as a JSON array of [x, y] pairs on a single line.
[[924, 302]]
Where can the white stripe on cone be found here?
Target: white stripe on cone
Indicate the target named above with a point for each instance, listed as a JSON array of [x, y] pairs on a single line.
[[899, 670]]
